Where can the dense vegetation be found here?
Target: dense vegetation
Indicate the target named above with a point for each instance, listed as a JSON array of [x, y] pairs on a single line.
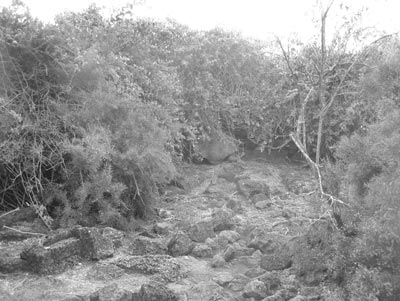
[[96, 113]]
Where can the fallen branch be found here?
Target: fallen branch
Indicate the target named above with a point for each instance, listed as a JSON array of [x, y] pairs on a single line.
[[24, 232], [315, 167], [9, 212]]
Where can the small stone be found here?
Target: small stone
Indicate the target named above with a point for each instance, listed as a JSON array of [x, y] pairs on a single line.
[[262, 204], [222, 219], [260, 197], [241, 250], [200, 231], [234, 204], [254, 272], [255, 289], [223, 279], [276, 262], [266, 246], [218, 261], [162, 228]]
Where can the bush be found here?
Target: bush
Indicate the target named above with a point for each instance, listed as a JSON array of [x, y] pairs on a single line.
[[371, 261]]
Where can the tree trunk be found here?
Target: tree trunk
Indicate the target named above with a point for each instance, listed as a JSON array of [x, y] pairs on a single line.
[[319, 139]]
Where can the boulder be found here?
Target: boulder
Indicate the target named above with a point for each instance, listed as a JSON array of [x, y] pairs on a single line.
[[217, 147], [202, 251], [53, 259], [155, 291], [93, 245], [255, 289], [200, 231], [180, 244], [222, 219]]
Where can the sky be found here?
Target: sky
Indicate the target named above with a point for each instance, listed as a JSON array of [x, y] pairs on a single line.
[[259, 19]]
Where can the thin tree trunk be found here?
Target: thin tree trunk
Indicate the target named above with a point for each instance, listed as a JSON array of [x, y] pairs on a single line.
[[319, 139]]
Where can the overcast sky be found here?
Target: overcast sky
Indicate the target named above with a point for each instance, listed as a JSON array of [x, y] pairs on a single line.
[[254, 18]]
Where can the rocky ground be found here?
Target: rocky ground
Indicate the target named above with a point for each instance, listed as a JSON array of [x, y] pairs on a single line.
[[234, 233]]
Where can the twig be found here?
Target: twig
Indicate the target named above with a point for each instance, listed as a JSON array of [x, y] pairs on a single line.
[[9, 212], [24, 232]]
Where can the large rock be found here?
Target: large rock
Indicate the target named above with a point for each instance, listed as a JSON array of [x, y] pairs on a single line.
[[53, 259], [166, 267], [180, 244], [155, 291], [217, 148], [65, 248], [200, 231], [222, 219]]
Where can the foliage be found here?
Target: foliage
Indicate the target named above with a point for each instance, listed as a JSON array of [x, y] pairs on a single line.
[[371, 261]]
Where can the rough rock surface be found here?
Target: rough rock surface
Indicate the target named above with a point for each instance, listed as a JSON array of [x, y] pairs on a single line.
[[219, 245]]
